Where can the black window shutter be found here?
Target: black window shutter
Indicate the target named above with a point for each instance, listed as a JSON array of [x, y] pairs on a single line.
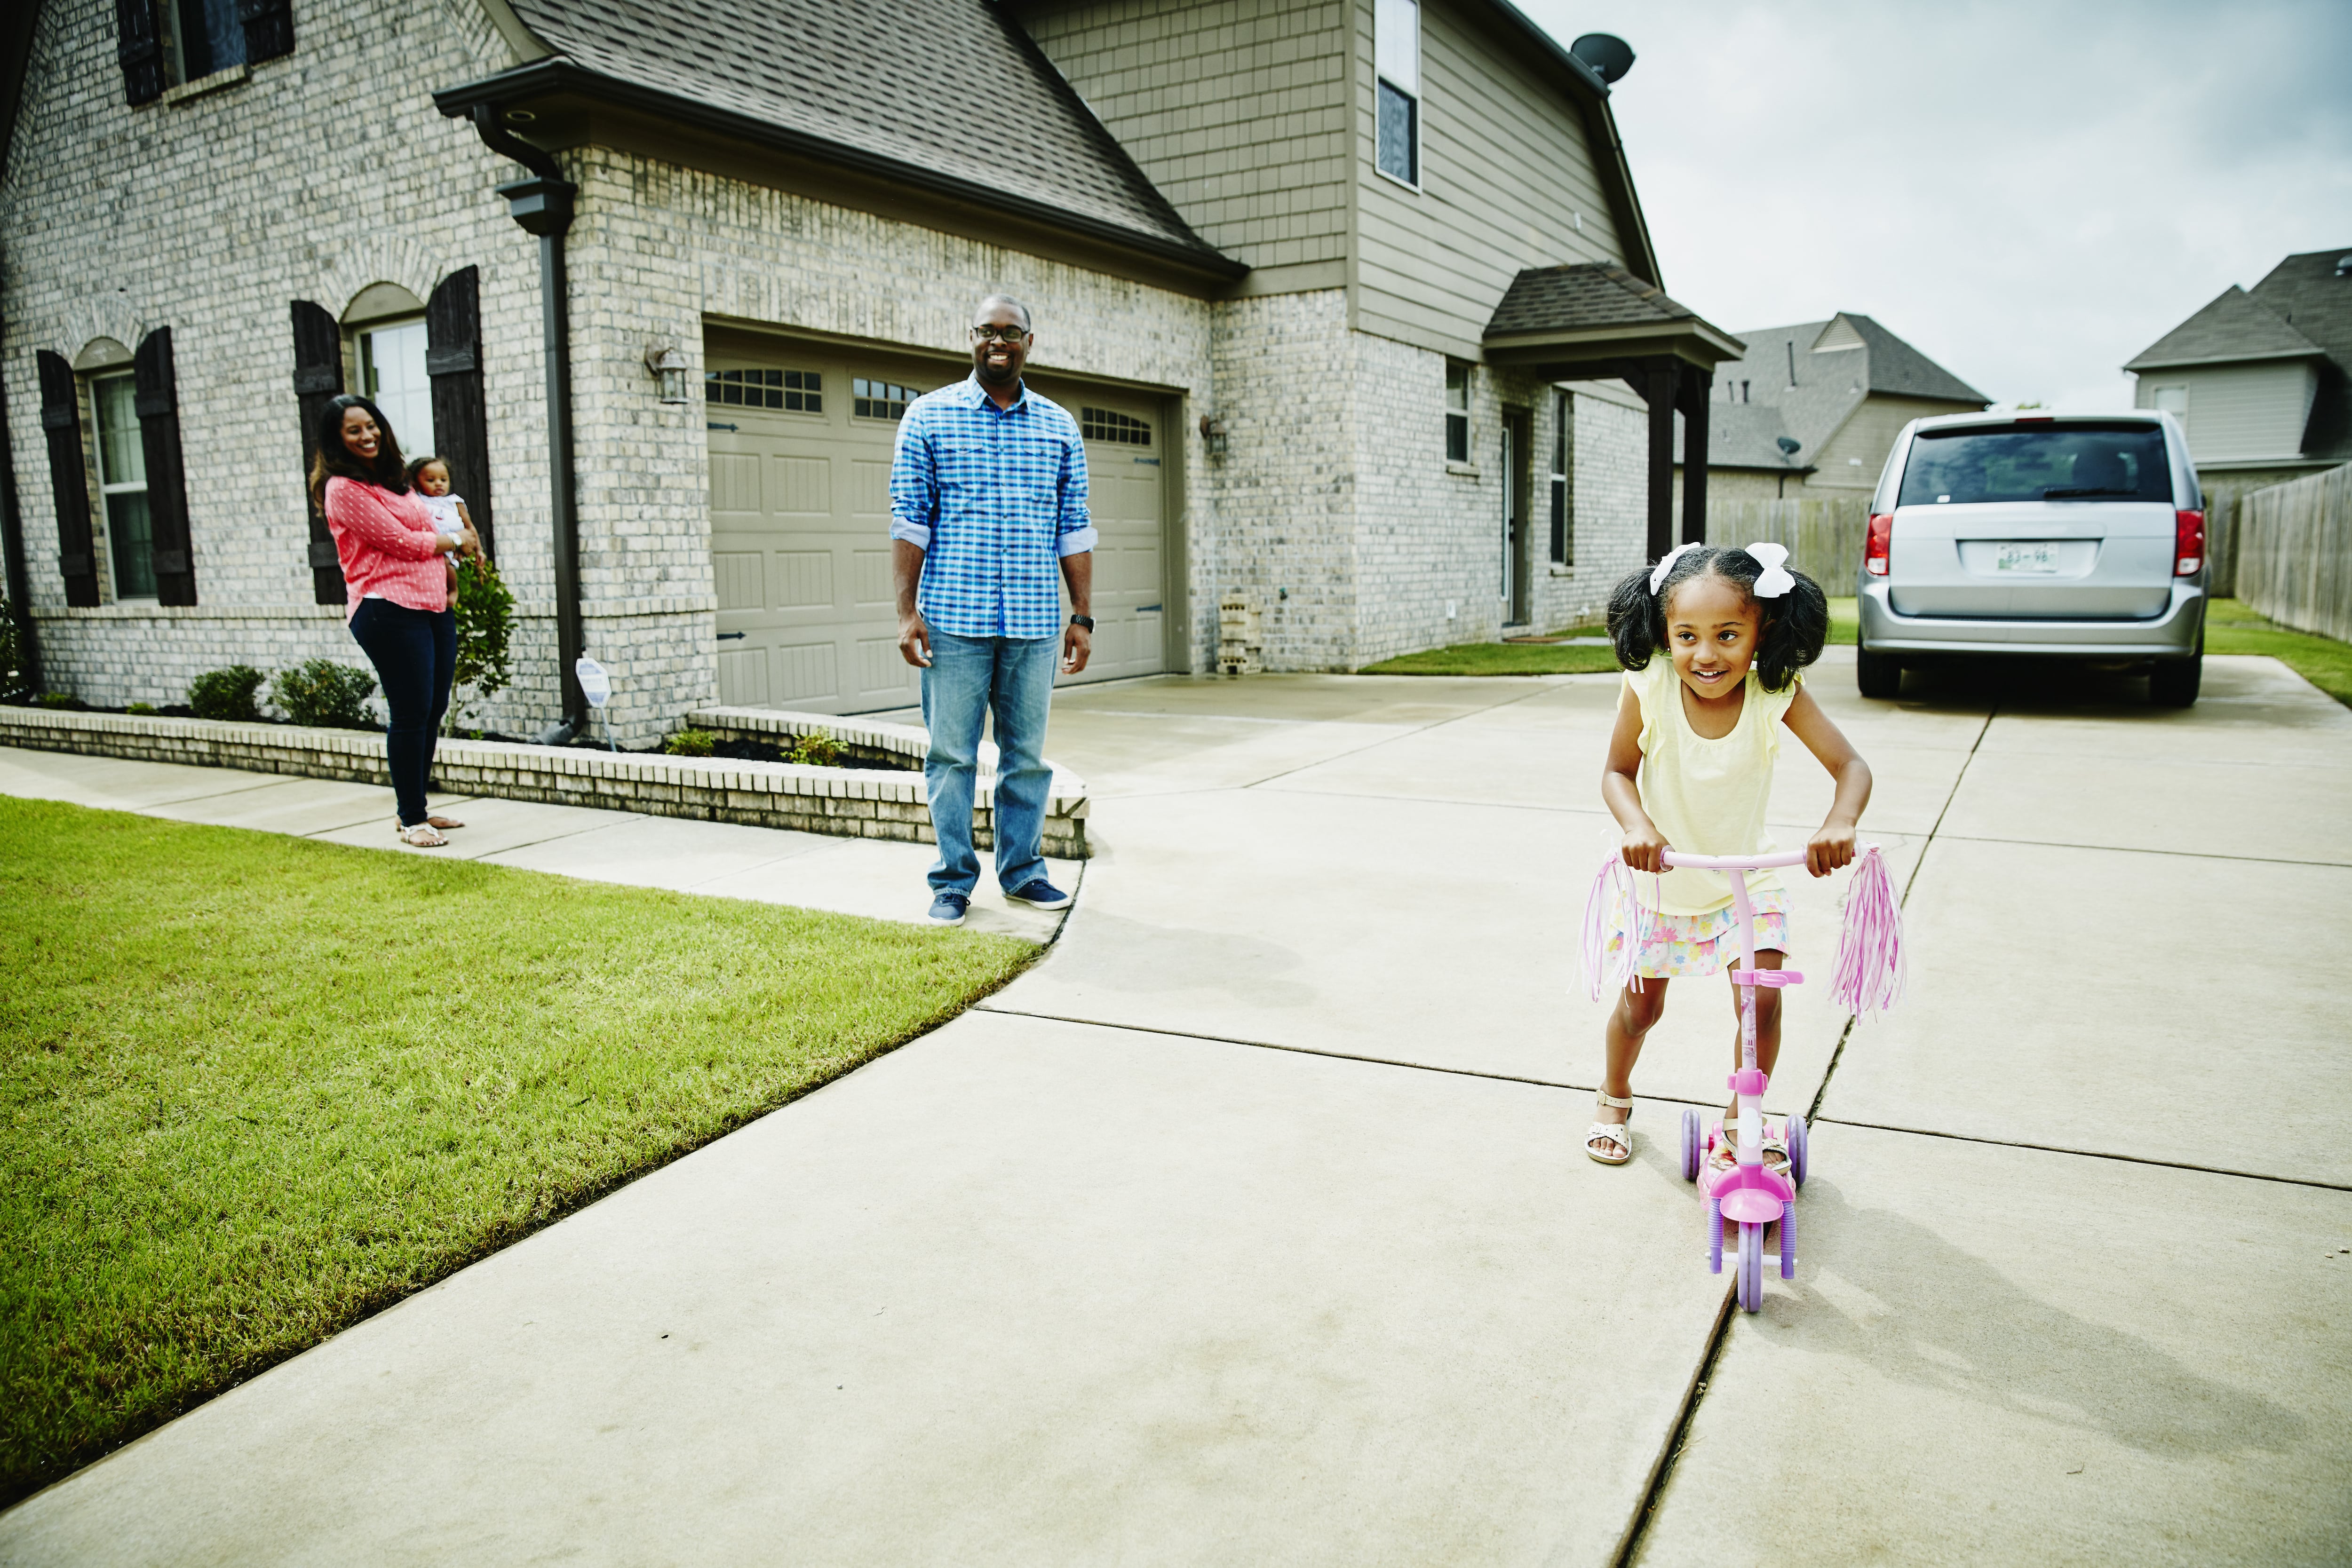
[[158, 402], [318, 378], [69, 480], [268, 28], [453, 358], [140, 48]]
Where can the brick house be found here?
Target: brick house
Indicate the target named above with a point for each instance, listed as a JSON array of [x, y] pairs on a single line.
[[1354, 298]]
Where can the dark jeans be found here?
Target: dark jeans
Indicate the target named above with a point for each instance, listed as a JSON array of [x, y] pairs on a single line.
[[415, 653]]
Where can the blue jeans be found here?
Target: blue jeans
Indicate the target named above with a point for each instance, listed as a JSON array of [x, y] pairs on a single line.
[[1012, 678], [415, 653]]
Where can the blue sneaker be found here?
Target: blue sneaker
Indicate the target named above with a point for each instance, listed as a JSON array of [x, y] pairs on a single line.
[[946, 908], [1039, 893]]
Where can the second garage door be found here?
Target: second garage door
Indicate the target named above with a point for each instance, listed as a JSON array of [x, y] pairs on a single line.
[[801, 445]]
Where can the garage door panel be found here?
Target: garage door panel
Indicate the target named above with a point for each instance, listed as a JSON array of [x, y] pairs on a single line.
[[804, 579], [805, 487], [882, 671], [873, 578], [742, 580], [869, 485], [804, 674], [743, 677], [735, 482]]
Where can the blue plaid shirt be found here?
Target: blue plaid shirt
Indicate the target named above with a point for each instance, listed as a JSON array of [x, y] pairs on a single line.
[[995, 497]]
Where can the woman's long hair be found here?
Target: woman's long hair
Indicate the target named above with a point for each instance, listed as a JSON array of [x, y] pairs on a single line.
[[335, 461]]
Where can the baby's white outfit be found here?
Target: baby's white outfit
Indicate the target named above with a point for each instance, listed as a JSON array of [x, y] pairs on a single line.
[[444, 509]]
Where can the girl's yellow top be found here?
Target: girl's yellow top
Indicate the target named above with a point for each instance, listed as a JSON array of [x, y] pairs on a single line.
[[1707, 797]]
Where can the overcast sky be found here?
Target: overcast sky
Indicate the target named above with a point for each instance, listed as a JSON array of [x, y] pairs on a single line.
[[2030, 194]]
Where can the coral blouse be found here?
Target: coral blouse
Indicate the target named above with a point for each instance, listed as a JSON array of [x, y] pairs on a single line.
[[386, 545]]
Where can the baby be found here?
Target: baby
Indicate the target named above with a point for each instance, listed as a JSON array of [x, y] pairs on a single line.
[[429, 478]]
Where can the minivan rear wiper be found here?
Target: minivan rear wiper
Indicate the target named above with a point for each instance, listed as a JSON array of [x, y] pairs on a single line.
[[2087, 490]]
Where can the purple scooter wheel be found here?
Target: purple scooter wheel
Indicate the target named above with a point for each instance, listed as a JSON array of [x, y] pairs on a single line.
[[1751, 1268], [1789, 1239], [1795, 1139], [1714, 1237], [1690, 1146]]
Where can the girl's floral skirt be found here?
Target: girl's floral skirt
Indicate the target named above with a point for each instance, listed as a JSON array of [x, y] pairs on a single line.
[[1677, 946]]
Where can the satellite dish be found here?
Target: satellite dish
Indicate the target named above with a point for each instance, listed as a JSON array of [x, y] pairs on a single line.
[[1789, 444], [1610, 56], [594, 683]]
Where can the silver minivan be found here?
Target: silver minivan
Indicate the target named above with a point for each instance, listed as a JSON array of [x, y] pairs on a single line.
[[2064, 536]]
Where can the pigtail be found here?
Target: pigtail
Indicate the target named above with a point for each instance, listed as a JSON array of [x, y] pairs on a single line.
[[1636, 624], [1796, 625]]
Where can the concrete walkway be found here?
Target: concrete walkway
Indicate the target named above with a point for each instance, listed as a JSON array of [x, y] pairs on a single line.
[[1093, 1274]]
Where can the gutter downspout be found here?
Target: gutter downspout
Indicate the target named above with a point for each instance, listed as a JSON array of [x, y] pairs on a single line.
[[543, 207]]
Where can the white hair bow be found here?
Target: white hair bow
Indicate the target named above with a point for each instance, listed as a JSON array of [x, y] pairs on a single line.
[[1774, 582], [1666, 564]]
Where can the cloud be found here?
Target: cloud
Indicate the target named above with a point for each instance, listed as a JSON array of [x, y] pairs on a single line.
[[2030, 194]]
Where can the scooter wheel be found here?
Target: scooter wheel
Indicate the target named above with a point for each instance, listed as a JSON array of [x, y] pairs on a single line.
[[1713, 1236], [1690, 1146], [1751, 1268], [1787, 1241], [1796, 1141]]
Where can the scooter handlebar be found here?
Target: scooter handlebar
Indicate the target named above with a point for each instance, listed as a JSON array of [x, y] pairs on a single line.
[[1737, 862]]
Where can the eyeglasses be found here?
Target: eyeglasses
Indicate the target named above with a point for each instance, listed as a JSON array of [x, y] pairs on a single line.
[[1009, 334]]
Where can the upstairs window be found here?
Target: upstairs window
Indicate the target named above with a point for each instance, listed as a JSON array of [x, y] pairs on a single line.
[[204, 37], [1396, 54], [1109, 424], [794, 391], [1457, 414], [165, 44], [879, 400]]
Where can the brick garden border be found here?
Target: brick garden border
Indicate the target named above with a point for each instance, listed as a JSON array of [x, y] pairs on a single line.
[[853, 802]]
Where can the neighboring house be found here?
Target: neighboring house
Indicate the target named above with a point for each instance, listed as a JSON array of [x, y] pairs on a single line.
[[2262, 379], [1319, 278], [1814, 408]]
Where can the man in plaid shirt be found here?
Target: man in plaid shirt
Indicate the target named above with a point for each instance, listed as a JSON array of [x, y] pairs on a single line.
[[988, 497]]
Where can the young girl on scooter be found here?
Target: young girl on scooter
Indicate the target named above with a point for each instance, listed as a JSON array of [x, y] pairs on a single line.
[[1690, 768]]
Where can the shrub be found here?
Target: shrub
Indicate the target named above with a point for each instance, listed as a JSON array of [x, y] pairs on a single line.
[[140, 710], [689, 743], [325, 694], [485, 612], [61, 699], [226, 694], [816, 749]]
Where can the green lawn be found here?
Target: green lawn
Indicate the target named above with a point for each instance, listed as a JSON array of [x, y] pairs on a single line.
[[254, 1089], [1547, 658], [2232, 627]]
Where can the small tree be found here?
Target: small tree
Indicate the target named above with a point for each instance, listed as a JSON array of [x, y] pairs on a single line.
[[226, 694], [12, 651], [484, 609]]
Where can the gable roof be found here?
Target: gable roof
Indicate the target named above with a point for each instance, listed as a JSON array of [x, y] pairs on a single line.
[[880, 91], [1837, 365], [2232, 326]]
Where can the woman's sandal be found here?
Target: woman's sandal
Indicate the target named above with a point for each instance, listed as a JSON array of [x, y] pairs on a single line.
[[422, 836], [1616, 1135]]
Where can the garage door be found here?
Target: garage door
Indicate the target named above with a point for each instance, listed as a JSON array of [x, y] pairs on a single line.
[[800, 515]]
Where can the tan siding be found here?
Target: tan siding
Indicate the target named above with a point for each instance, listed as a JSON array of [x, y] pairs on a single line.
[[2240, 411], [1505, 163], [1869, 434], [1237, 109]]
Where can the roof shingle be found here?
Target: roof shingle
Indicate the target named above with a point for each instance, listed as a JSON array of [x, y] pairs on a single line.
[[2232, 326]]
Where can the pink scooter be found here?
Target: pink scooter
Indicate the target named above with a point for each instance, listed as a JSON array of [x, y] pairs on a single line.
[[1869, 979]]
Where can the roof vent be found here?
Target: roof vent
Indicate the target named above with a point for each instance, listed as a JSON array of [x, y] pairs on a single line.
[[2343, 266], [1610, 56]]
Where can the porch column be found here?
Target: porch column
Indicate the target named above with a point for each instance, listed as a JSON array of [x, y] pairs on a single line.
[[1659, 378], [1698, 388]]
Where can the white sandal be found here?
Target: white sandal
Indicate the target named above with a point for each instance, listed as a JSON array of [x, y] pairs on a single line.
[[423, 836], [1618, 1135]]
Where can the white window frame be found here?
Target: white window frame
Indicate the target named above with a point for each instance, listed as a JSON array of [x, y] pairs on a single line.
[[1467, 460], [106, 492], [1396, 60], [363, 364]]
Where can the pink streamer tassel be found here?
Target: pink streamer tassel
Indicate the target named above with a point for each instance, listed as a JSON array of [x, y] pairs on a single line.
[[1869, 977], [1613, 891]]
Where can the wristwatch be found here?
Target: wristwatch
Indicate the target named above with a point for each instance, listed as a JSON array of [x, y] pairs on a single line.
[[1086, 620]]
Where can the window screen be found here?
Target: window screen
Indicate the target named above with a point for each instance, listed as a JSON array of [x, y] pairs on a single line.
[[794, 391], [1109, 424]]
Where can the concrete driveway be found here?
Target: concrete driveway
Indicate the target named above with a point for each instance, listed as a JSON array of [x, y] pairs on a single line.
[[1253, 1226]]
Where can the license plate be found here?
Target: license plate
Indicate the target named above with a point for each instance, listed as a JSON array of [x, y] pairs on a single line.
[[2041, 557]]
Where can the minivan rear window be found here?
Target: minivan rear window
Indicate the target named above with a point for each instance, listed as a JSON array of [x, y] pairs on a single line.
[[2122, 461]]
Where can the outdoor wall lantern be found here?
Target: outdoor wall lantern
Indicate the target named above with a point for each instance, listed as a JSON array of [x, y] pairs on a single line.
[[667, 365], [1213, 435]]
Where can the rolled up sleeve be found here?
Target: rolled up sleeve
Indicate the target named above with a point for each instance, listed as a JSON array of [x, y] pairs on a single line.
[[914, 483], [1075, 530]]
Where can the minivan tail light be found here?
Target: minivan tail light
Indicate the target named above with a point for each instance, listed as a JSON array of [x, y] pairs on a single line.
[[1876, 554], [2187, 543]]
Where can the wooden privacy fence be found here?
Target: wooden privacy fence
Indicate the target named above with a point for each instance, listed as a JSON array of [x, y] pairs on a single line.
[[1825, 537], [2294, 553]]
